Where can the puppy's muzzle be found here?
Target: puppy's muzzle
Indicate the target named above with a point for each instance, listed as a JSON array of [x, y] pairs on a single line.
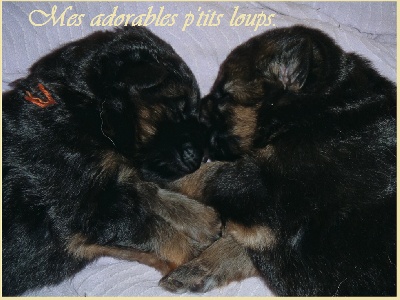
[[191, 157]]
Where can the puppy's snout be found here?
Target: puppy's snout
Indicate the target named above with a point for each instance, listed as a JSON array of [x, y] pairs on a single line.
[[191, 156], [189, 152]]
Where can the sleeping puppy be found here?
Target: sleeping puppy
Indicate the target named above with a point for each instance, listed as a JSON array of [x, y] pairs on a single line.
[[306, 183], [83, 133]]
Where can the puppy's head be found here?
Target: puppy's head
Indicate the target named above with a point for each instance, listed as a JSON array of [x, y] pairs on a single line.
[[152, 113], [129, 91], [259, 82]]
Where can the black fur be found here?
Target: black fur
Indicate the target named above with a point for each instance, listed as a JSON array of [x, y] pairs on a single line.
[[77, 167], [320, 170]]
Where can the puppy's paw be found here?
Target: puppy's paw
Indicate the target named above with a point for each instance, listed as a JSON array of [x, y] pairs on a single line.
[[221, 263], [192, 277]]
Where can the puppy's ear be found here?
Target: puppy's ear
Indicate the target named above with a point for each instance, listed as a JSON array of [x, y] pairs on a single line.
[[289, 66]]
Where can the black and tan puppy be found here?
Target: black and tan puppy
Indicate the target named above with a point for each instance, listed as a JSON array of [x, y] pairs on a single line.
[[308, 186], [81, 133]]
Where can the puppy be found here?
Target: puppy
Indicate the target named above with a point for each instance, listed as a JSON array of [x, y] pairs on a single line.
[[306, 183], [83, 133]]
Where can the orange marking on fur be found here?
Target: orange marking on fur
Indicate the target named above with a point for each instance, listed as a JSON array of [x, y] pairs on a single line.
[[38, 101]]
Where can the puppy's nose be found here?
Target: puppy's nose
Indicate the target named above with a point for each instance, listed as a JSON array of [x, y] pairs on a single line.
[[191, 156], [188, 151], [205, 108]]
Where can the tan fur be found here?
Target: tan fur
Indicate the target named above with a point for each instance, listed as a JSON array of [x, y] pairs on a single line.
[[184, 229], [180, 233], [265, 153], [127, 174], [173, 246], [193, 185], [111, 161], [257, 238], [228, 259], [243, 90], [245, 122], [180, 211], [149, 116], [221, 263], [81, 249]]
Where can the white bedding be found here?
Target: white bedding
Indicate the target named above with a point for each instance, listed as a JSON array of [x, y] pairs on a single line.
[[368, 28]]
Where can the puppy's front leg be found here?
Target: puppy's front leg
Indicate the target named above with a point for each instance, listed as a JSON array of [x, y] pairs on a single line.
[[237, 190], [135, 220], [195, 184], [221, 263], [229, 187]]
